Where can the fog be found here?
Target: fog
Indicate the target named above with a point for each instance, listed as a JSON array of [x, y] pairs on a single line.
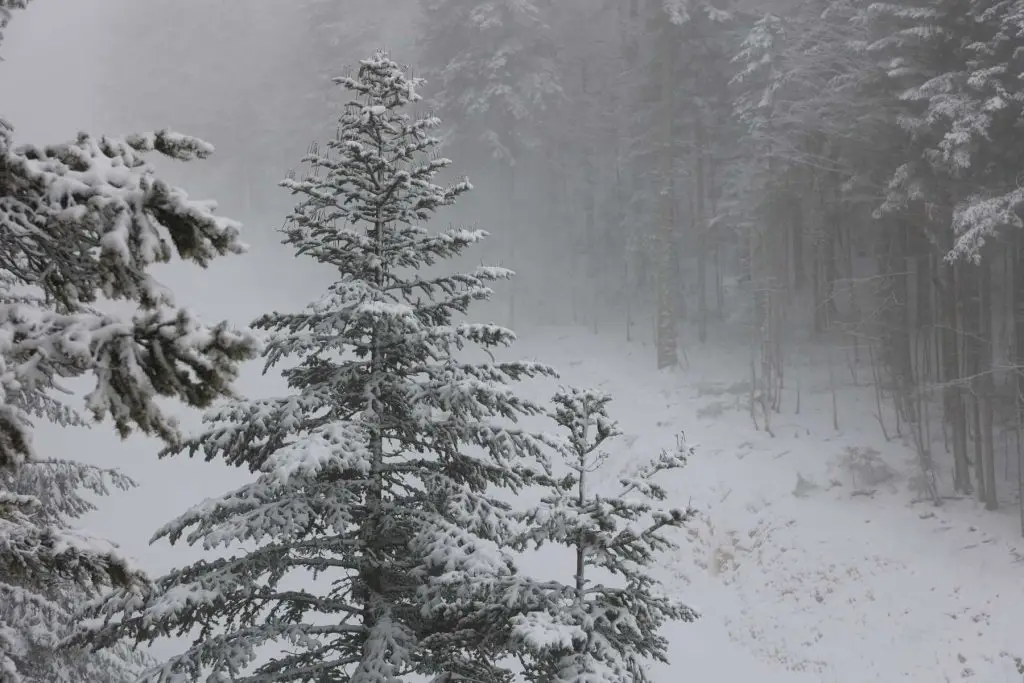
[[720, 190]]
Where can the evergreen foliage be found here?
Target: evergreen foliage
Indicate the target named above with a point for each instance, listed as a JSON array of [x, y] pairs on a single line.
[[374, 547], [493, 66], [592, 630], [48, 568], [81, 224], [84, 222]]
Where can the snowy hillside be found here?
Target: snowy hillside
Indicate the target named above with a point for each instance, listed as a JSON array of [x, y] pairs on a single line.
[[831, 580]]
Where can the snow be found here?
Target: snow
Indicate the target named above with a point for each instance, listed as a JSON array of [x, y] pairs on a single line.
[[336, 444], [812, 585], [820, 587]]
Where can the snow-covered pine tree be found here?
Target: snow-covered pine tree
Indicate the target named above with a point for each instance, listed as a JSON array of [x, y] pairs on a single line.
[[49, 569], [590, 631], [493, 68], [82, 222], [37, 603], [372, 544]]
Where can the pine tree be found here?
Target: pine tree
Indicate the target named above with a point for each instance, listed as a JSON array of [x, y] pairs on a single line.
[[50, 569], [492, 67], [374, 473], [81, 224], [589, 631], [494, 76], [37, 603]]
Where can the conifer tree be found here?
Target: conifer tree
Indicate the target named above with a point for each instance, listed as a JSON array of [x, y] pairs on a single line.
[[84, 222], [375, 471], [37, 603], [81, 224], [493, 69], [590, 630]]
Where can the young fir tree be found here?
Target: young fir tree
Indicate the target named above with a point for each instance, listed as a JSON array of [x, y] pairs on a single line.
[[37, 608], [373, 545], [589, 631]]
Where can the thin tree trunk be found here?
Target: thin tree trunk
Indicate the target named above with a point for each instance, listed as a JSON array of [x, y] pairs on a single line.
[[666, 332], [1018, 317], [371, 575], [987, 385], [1018, 358], [513, 252], [700, 224], [970, 292], [798, 276], [952, 393]]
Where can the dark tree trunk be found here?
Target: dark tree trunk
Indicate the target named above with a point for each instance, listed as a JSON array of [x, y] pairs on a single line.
[[953, 402], [970, 293], [700, 224], [987, 386]]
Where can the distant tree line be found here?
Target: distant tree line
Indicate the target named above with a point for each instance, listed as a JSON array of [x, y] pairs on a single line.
[[845, 171]]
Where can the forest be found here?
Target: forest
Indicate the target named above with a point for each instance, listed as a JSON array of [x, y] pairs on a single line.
[[793, 179], [812, 172], [777, 175]]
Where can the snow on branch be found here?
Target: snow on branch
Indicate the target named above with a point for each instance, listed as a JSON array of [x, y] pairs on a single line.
[[980, 218], [603, 625], [87, 218], [83, 222], [377, 468]]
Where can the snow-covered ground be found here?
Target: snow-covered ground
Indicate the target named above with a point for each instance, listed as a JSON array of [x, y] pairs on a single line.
[[796, 585], [811, 583]]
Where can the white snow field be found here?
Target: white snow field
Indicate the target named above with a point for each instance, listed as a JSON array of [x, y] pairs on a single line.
[[821, 587], [814, 584]]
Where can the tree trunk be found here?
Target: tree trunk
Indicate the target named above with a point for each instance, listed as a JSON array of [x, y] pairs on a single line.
[[987, 386], [798, 276], [901, 360], [666, 341], [1018, 356], [513, 252], [952, 393], [923, 314], [824, 247], [700, 224], [589, 279], [370, 571], [970, 293], [714, 234], [1018, 316], [818, 288]]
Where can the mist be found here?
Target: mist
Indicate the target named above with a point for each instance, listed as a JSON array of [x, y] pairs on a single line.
[[755, 227]]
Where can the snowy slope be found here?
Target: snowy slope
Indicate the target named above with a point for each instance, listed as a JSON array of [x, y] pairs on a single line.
[[824, 586], [817, 585]]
